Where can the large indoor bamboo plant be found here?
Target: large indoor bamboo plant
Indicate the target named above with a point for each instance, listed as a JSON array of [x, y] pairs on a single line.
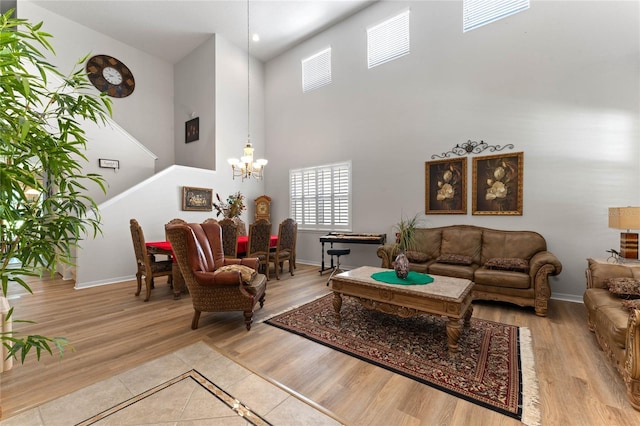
[[44, 209]]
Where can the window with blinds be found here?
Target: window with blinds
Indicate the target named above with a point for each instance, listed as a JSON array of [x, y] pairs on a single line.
[[388, 40], [320, 197], [476, 13], [316, 70]]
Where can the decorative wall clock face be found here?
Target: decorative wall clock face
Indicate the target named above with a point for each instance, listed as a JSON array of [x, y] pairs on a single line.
[[263, 208], [111, 76]]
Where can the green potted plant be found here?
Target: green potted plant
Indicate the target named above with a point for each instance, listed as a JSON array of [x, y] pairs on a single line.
[[44, 209], [405, 233]]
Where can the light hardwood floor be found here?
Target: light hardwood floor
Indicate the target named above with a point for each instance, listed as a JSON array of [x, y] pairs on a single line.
[[112, 331]]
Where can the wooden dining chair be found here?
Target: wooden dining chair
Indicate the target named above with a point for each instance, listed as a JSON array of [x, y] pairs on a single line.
[[145, 262], [229, 237], [258, 243], [286, 248], [242, 227]]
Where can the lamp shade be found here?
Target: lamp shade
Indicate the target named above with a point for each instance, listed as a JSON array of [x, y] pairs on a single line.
[[624, 217]]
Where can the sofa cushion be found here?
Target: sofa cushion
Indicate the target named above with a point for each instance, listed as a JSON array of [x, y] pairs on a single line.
[[246, 273], [631, 304], [611, 321], [417, 256], [502, 278], [520, 244], [462, 239], [600, 272], [455, 259], [595, 298], [626, 288], [449, 270], [508, 264], [427, 241]]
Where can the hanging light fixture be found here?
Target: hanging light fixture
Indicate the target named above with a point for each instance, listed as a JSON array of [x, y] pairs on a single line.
[[245, 167]]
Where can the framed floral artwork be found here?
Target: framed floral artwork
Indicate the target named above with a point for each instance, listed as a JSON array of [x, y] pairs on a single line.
[[497, 184], [446, 186]]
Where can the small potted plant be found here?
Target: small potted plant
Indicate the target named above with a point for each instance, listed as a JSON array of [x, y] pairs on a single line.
[[405, 233]]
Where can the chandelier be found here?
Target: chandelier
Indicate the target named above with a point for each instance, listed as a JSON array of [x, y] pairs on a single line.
[[245, 167]]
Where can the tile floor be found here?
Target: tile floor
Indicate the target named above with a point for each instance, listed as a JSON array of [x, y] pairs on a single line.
[[194, 386]]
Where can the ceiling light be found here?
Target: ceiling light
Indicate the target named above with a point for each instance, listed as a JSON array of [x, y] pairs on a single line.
[[245, 167]]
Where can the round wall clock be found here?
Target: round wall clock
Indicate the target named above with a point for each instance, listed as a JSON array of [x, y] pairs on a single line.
[[111, 76]]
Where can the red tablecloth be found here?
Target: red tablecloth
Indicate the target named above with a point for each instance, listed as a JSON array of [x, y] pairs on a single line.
[[160, 247], [243, 242]]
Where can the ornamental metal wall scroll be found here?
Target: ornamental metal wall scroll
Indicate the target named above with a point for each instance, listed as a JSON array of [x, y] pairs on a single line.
[[471, 147]]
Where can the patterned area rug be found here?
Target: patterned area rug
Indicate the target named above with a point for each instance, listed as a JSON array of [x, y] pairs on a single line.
[[493, 368]]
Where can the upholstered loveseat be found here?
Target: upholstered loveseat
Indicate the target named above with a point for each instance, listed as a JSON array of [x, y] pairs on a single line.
[[616, 327], [509, 266]]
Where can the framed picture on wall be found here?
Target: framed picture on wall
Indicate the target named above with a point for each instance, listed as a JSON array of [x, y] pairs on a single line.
[[446, 186], [192, 130], [197, 199], [497, 184]]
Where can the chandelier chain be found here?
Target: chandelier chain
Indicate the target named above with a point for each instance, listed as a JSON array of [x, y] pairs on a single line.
[[248, 78]]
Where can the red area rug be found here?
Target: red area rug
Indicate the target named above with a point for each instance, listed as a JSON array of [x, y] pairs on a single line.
[[494, 367]]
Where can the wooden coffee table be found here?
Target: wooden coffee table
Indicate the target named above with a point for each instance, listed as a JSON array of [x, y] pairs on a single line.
[[445, 296]]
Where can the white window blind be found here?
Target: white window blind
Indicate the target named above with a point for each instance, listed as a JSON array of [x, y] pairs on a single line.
[[388, 40], [477, 13], [320, 197], [316, 70]]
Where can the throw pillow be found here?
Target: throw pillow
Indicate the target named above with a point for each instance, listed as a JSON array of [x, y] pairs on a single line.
[[455, 259], [416, 257], [626, 288], [246, 273], [508, 264], [631, 304]]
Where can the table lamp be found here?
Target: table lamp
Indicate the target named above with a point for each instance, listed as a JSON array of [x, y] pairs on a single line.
[[626, 218]]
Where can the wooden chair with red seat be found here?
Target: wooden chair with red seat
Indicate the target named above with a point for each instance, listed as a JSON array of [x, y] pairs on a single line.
[[286, 248], [259, 241], [216, 283], [145, 261]]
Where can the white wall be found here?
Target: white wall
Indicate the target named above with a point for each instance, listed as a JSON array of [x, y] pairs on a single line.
[[109, 257], [195, 94], [231, 119], [559, 81], [147, 114]]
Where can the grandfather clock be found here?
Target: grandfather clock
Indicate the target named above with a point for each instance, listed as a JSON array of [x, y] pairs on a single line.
[[263, 207]]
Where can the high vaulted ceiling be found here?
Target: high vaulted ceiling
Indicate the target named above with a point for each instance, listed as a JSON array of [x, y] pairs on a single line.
[[170, 29]]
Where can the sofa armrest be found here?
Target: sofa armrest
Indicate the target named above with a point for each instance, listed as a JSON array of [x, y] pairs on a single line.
[[226, 278], [251, 262], [541, 259], [632, 359], [387, 253], [541, 265]]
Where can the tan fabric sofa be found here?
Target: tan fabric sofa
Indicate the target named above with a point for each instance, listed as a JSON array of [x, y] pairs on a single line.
[[481, 248], [616, 328]]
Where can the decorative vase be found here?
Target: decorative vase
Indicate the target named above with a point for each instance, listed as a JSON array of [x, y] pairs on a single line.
[[401, 266]]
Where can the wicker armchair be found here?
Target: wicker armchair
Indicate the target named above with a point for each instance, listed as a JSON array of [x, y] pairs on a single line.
[[258, 242], [175, 221], [229, 237], [198, 249], [286, 248], [145, 262]]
